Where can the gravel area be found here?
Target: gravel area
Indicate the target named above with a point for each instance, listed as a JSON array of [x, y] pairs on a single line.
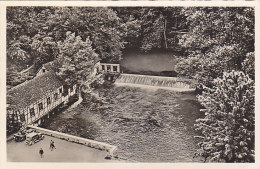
[[65, 152]]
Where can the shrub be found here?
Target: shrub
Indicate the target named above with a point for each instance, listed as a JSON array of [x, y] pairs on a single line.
[[229, 122]]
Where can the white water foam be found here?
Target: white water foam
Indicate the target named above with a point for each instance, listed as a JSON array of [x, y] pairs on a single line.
[[155, 82]]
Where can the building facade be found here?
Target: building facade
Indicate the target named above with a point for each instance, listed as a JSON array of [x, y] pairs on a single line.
[[28, 102]]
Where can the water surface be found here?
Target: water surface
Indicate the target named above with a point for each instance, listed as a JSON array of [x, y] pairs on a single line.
[[154, 61], [146, 125]]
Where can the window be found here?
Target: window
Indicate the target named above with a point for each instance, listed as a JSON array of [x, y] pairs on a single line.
[[32, 113], [40, 106], [43, 70], [15, 117], [55, 96], [60, 90], [108, 68], [65, 90], [22, 117], [115, 68], [48, 101]]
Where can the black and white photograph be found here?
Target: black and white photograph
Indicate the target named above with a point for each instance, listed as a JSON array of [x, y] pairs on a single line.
[[130, 84]]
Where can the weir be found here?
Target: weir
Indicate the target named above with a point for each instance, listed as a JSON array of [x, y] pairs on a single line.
[[171, 83]]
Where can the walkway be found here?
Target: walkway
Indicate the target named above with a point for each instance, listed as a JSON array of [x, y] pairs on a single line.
[[65, 152]]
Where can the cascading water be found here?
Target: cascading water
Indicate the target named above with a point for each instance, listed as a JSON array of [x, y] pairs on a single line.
[[158, 81]]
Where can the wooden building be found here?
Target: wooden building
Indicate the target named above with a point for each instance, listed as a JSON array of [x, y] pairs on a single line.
[[28, 102]]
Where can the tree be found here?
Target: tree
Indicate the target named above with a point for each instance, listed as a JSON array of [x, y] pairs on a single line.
[[220, 43], [248, 65], [101, 25], [229, 123], [23, 25], [150, 28], [161, 28], [153, 28], [20, 22], [78, 60], [218, 39], [15, 51], [13, 77], [44, 49], [206, 67], [131, 25], [32, 32]]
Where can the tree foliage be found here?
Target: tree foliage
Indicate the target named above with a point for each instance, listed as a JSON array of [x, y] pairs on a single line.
[[218, 40], [229, 122], [101, 25], [248, 65], [149, 28], [33, 33], [77, 59], [42, 27], [220, 43]]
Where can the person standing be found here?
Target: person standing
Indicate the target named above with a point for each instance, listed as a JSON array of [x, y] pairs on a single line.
[[41, 152], [52, 146]]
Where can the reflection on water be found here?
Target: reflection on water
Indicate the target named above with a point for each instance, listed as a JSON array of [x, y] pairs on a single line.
[[153, 61], [146, 125]]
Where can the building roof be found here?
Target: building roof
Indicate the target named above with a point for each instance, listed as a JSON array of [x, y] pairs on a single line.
[[30, 91], [50, 66]]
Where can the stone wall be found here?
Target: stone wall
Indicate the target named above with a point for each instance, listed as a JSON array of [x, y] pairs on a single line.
[[90, 143]]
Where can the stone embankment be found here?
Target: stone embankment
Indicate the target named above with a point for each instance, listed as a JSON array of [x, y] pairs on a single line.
[[90, 143]]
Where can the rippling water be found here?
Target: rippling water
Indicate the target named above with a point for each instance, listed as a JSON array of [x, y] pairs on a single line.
[[146, 125]]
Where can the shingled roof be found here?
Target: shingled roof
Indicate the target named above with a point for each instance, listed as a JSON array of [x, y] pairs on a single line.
[[50, 66], [29, 92]]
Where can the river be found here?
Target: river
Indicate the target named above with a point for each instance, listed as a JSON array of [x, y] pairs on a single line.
[[146, 125], [152, 63]]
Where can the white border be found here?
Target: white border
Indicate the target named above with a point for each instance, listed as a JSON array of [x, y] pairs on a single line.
[[129, 3], [12, 165]]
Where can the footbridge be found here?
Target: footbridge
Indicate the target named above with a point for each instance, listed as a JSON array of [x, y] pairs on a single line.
[[109, 67]]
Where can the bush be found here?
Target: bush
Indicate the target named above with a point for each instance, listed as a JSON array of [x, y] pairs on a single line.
[[248, 65], [229, 122]]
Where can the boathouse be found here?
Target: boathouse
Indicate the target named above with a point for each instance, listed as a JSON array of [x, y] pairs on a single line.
[[28, 102]]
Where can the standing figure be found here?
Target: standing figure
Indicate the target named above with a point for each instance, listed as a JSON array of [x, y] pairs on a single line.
[[52, 146], [41, 152]]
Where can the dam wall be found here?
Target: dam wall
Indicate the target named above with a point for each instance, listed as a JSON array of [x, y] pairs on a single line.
[[171, 83]]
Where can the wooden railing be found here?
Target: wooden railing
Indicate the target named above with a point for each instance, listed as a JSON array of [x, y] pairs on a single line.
[[109, 67]]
